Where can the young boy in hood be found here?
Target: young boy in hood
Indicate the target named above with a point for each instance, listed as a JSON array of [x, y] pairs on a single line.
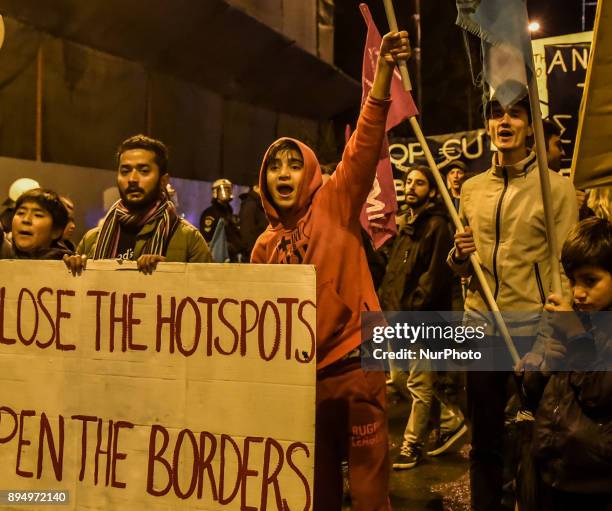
[[315, 224]]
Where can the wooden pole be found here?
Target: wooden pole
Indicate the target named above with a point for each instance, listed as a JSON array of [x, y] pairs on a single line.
[[456, 220], [542, 159], [403, 68]]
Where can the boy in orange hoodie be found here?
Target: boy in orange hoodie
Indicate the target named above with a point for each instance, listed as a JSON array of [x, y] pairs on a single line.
[[315, 224]]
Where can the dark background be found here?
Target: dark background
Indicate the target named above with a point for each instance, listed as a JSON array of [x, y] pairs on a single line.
[[450, 102]]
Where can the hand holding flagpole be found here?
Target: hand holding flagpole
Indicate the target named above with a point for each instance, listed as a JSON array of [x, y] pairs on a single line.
[[403, 67], [451, 207]]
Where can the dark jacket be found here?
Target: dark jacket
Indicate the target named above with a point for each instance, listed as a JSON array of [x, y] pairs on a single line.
[[417, 276], [185, 246], [54, 252], [572, 439], [208, 223], [253, 220]]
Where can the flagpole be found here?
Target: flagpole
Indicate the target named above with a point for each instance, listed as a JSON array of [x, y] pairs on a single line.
[[486, 289], [403, 67], [542, 159]]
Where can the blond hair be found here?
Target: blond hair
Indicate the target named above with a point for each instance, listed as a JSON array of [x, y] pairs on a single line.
[[600, 201]]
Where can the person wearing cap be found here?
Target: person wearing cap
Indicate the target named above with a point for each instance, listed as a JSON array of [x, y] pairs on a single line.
[[454, 180], [221, 208], [504, 218]]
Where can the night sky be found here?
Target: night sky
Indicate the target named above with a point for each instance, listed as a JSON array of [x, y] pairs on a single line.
[[450, 101]]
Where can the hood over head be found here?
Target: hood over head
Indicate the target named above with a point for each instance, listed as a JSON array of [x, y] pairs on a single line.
[[311, 182]]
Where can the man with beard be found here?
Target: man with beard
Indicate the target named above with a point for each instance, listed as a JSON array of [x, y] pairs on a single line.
[[143, 225], [418, 279]]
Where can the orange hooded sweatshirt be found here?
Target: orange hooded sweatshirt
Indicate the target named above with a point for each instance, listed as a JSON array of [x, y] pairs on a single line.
[[323, 229]]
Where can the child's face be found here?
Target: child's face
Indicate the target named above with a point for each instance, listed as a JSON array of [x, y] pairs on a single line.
[[283, 177], [33, 228], [592, 288]]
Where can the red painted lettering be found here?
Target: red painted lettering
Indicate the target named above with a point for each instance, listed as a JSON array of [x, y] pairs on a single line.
[[306, 356], [157, 456], [21, 442], [179, 325], [47, 314], [98, 295], [116, 454], [244, 328], [61, 314], [56, 454], [3, 338], [121, 319], [165, 320], [132, 321], [229, 325], [225, 440], [85, 419], [34, 316], [261, 332], [293, 448]]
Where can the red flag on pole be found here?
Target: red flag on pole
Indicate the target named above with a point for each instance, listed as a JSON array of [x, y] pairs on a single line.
[[378, 213]]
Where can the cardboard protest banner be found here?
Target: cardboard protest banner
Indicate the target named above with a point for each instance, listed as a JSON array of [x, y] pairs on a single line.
[[193, 388]]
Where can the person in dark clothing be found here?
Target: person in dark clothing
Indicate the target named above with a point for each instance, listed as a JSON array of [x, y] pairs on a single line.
[[555, 155], [7, 209], [37, 227], [70, 226], [554, 146], [253, 220], [572, 440], [455, 176], [221, 208], [418, 279]]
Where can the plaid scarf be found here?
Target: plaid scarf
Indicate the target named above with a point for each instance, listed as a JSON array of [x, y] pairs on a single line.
[[162, 212]]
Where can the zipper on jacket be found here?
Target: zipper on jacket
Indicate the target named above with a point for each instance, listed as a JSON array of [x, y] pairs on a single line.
[[498, 232], [539, 281]]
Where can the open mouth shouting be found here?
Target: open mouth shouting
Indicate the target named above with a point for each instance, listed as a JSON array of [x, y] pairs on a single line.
[[504, 135], [285, 190], [284, 173]]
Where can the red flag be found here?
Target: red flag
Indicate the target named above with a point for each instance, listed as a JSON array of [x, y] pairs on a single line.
[[378, 213]]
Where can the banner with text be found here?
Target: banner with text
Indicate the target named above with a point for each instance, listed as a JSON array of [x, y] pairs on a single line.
[[193, 388], [561, 64]]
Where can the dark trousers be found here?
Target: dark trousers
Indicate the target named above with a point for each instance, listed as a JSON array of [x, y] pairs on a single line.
[[351, 422], [486, 401]]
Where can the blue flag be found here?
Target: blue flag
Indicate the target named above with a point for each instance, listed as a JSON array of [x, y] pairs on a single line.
[[507, 53], [218, 244]]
